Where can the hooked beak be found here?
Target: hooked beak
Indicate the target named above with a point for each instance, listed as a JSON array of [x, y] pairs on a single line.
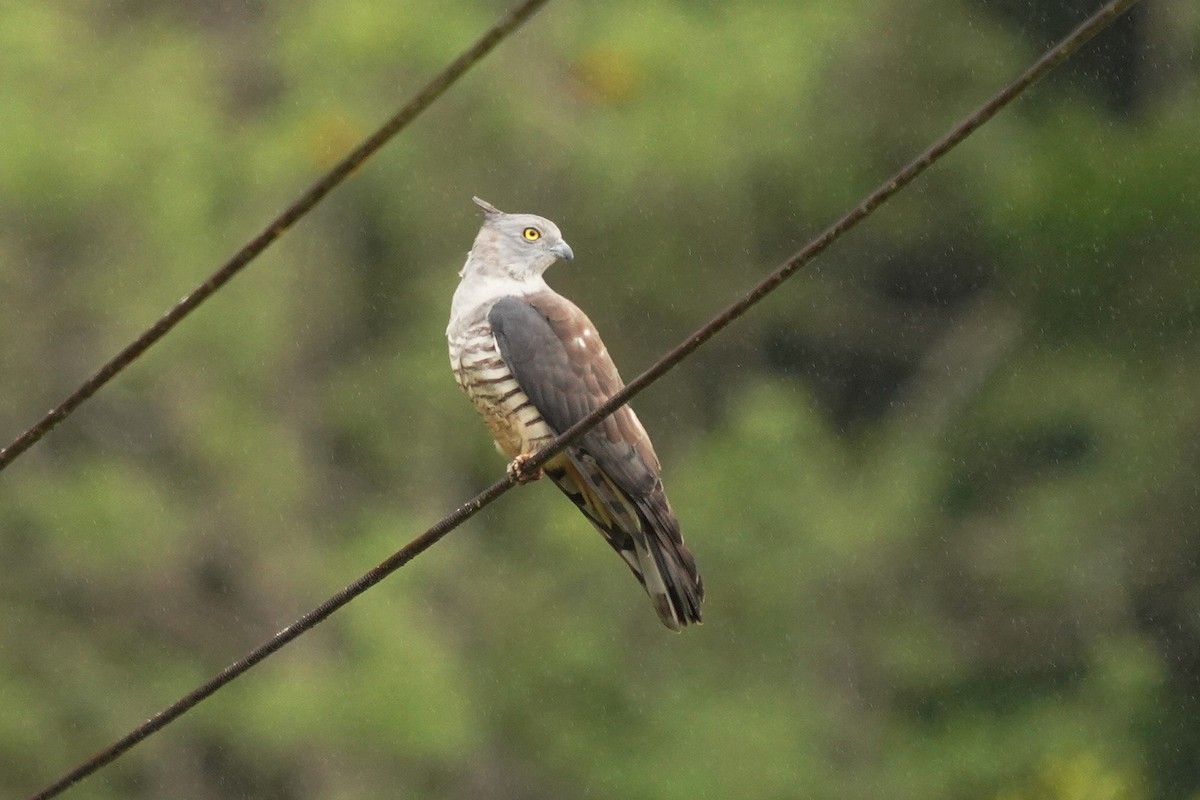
[[563, 250]]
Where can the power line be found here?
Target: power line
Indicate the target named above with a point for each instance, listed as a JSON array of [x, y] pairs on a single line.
[[305, 203], [1051, 59]]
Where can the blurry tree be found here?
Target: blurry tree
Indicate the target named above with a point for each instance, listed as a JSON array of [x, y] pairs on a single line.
[[943, 487]]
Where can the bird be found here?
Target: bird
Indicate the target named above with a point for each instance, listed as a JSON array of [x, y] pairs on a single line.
[[532, 364]]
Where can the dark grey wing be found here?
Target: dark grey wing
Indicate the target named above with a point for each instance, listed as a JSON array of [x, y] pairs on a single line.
[[555, 354], [559, 361]]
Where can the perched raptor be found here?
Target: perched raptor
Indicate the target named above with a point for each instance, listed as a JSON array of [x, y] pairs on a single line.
[[533, 364]]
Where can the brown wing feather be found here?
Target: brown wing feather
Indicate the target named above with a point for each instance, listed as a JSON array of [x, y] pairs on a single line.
[[559, 361]]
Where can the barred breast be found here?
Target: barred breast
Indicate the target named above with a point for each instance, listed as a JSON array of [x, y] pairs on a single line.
[[516, 425]]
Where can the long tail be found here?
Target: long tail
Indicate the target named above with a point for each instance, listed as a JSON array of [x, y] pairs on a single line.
[[644, 532]]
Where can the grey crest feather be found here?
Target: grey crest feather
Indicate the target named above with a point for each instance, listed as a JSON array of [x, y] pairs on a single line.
[[487, 207]]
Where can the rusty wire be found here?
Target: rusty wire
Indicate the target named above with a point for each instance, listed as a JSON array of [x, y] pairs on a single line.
[[288, 217]]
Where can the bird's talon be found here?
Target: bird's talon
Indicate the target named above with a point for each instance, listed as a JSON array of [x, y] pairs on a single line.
[[516, 470]]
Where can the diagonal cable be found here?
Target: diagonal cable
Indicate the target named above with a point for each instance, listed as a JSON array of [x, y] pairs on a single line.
[[315, 193], [1051, 59]]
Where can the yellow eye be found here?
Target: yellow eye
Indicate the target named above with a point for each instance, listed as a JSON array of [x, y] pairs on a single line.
[[531, 234]]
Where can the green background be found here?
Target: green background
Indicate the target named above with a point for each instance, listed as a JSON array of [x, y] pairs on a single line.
[[942, 486]]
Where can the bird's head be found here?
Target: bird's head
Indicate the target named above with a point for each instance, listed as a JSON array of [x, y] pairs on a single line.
[[516, 245]]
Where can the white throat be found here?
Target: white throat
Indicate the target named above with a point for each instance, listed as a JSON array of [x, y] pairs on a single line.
[[477, 292]]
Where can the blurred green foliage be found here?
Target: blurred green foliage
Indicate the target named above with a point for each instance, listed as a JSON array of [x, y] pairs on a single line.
[[943, 486]]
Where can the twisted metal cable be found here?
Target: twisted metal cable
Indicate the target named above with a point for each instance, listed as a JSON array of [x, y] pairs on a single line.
[[305, 203]]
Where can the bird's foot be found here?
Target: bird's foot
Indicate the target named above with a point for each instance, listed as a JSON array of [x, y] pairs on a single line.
[[517, 473]]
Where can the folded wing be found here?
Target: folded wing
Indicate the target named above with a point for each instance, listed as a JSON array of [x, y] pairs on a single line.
[[612, 474]]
